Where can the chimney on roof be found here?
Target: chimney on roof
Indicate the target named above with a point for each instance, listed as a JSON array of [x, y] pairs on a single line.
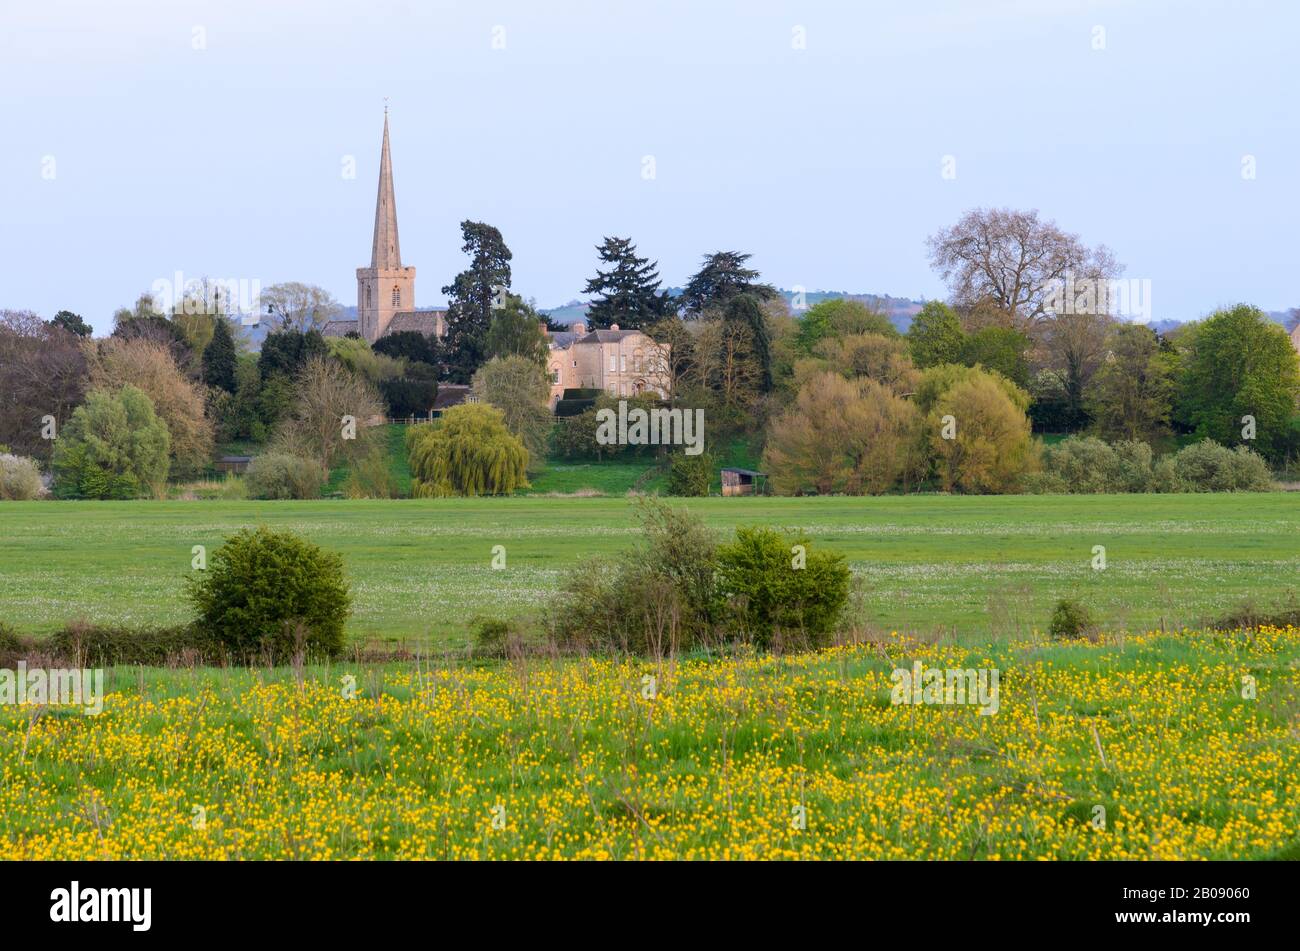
[[613, 326], [579, 328]]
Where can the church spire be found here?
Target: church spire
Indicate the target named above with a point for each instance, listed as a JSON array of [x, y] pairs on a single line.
[[386, 252]]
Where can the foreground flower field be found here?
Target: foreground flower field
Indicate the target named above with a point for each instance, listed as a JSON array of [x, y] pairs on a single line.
[[1155, 746]]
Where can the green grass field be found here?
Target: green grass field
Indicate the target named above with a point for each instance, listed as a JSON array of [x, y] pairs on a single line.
[[420, 569]]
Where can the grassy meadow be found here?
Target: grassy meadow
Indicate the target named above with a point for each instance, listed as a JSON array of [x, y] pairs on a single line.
[[974, 568], [1134, 747]]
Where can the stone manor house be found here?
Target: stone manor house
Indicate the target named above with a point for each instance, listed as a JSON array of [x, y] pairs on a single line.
[[621, 362]]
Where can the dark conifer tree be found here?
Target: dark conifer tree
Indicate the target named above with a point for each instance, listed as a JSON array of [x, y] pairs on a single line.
[[220, 357], [628, 291], [471, 297]]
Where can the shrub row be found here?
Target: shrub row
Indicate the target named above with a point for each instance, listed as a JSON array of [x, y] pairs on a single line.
[[681, 589], [1086, 465]]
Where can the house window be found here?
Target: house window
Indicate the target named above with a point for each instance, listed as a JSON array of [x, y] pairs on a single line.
[[397, 297], [555, 374], [613, 363], [575, 363], [623, 362], [370, 296]]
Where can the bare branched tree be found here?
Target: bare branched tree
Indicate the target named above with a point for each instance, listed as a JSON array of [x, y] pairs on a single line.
[[1008, 260]]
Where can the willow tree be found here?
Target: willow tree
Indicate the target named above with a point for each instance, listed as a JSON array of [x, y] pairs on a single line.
[[469, 451]]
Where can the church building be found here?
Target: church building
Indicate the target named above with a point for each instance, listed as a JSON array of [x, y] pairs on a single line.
[[386, 289]]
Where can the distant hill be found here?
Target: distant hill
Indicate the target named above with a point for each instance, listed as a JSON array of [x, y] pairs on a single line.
[[900, 310]]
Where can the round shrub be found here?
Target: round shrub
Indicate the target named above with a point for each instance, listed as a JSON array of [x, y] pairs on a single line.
[[1206, 466], [19, 478], [779, 586], [690, 475], [278, 475], [1071, 619], [272, 592]]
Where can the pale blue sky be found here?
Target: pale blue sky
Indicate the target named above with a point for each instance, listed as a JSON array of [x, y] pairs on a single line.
[[824, 162]]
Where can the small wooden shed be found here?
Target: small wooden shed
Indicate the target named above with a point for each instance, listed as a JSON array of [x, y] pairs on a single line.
[[232, 463], [741, 481]]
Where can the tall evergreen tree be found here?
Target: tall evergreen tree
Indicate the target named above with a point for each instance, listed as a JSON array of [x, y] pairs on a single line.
[[470, 298], [219, 357], [722, 276], [629, 290], [743, 315], [73, 323]]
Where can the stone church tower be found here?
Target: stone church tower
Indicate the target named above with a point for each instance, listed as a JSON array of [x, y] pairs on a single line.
[[385, 288]]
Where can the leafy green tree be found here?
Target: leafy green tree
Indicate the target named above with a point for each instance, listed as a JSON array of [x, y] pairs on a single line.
[[979, 437], [628, 292], [1238, 364], [274, 593], [731, 362], [325, 394], [875, 356], [722, 276], [516, 331], [113, 447], [854, 437], [935, 335], [999, 348], [1133, 392], [744, 317], [361, 360], [840, 317], [1075, 345], [240, 417], [288, 351], [73, 323], [220, 357], [690, 476], [409, 345], [518, 387], [783, 592], [468, 451], [470, 299], [413, 393], [936, 381]]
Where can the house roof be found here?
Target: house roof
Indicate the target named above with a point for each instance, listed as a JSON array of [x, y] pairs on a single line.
[[748, 472], [561, 339], [450, 394], [607, 336], [426, 322], [339, 328]]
